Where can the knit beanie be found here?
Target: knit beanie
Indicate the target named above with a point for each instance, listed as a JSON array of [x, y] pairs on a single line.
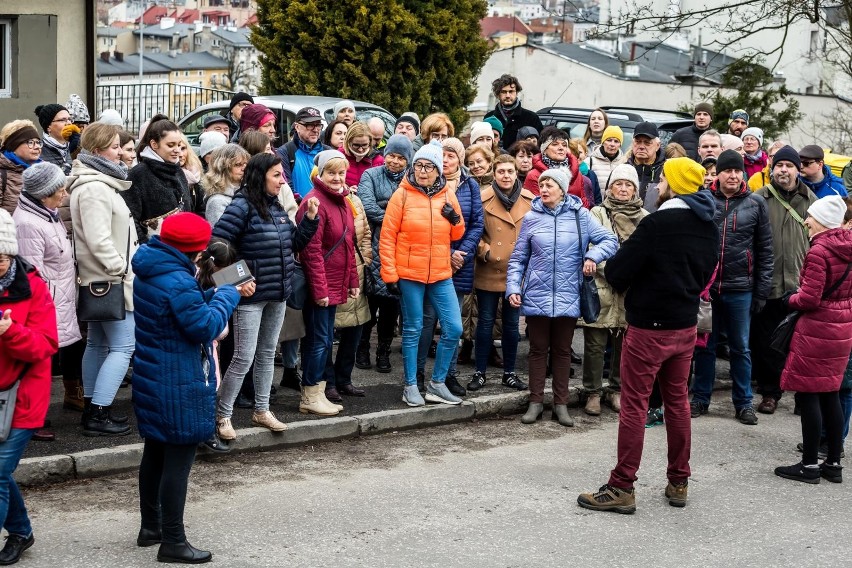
[[432, 152], [787, 154], [738, 114], [342, 105], [729, 160], [255, 116], [20, 136], [43, 179], [210, 141], [111, 116], [8, 236], [731, 142], [525, 132], [238, 98], [612, 131], [495, 124], [46, 114], [412, 120], [454, 145], [704, 107], [187, 232], [560, 176], [480, 129], [624, 172], [753, 131], [828, 211], [77, 109], [321, 159], [684, 176], [399, 144]]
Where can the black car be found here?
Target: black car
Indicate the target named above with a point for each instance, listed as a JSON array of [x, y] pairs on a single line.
[[574, 120]]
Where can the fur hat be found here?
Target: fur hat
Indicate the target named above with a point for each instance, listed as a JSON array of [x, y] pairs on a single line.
[[399, 144], [684, 176], [480, 129], [46, 114], [186, 232], [77, 109], [432, 152], [560, 176], [43, 179], [454, 145], [624, 172], [8, 236], [828, 211], [210, 141]]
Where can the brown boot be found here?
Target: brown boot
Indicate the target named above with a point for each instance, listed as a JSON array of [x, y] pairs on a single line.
[[593, 405], [73, 395], [615, 401]]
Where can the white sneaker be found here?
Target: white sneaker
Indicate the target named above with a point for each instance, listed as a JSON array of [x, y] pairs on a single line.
[[438, 392]]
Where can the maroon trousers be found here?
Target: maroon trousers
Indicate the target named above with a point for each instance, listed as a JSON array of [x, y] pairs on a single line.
[[555, 335], [648, 354]]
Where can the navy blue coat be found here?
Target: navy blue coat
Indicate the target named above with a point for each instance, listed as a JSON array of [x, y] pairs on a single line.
[[470, 201], [174, 374], [267, 245]]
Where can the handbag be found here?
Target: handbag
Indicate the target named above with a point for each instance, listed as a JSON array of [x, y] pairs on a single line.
[[299, 282], [370, 286], [103, 300], [705, 316], [782, 335], [8, 396], [590, 301]]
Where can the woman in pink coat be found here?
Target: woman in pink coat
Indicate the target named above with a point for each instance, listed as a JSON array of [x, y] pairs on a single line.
[[822, 341]]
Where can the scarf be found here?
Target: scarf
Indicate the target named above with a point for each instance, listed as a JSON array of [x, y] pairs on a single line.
[[192, 178], [59, 146], [13, 157], [453, 180], [508, 199], [9, 277], [432, 189], [624, 215], [755, 157], [506, 111], [112, 169], [553, 164], [394, 177], [484, 180]]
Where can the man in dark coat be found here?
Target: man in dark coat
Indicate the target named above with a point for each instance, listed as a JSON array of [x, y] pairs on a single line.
[[688, 135], [509, 111]]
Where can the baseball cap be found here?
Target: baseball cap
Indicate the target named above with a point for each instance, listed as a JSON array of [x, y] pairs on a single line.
[[647, 129], [308, 114], [812, 152], [214, 119]]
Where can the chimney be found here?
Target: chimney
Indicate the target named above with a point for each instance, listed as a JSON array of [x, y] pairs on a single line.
[[173, 53], [119, 56], [105, 56]]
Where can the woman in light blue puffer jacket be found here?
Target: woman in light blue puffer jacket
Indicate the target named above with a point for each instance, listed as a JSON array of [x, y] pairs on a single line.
[[543, 279]]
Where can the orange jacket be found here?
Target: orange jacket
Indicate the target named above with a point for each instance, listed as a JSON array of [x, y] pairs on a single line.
[[415, 240]]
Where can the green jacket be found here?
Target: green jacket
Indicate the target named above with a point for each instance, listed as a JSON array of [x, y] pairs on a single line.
[[790, 240]]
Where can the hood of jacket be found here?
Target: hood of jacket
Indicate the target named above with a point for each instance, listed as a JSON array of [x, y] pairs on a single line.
[[702, 204], [82, 174], [838, 241], [827, 179], [156, 258]]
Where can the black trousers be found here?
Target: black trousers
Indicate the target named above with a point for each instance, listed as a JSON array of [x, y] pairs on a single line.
[[384, 312], [338, 369], [163, 479], [766, 363], [71, 361], [820, 410]]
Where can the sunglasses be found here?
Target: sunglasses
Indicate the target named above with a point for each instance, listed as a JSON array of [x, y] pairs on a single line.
[[806, 163]]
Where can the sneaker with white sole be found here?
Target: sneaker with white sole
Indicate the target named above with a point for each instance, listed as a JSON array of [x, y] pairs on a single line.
[[438, 392], [411, 396]]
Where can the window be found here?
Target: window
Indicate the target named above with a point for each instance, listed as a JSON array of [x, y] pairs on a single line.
[[5, 58]]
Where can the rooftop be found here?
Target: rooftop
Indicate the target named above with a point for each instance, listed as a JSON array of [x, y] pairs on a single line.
[[160, 63], [109, 31], [494, 24]]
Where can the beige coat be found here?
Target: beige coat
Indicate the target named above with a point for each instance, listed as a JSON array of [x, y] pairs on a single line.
[[357, 311], [498, 239], [102, 225]]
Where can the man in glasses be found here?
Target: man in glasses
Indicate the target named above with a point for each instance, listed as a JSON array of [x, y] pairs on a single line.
[[817, 176], [298, 154]]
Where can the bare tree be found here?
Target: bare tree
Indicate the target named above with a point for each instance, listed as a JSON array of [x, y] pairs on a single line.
[[240, 74]]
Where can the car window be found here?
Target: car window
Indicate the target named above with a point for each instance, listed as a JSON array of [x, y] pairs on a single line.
[[194, 124], [366, 114]]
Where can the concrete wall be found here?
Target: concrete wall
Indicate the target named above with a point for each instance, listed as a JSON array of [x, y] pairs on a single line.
[[42, 74]]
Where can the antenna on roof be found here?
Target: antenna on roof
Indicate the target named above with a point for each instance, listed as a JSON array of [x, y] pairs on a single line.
[[562, 93]]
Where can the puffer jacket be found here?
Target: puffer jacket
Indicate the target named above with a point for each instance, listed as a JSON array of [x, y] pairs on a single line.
[[746, 258], [28, 344], [499, 238], [688, 138], [267, 245], [102, 225], [356, 311], [789, 237], [830, 184], [356, 169], [159, 188], [603, 166], [753, 166], [329, 258], [470, 201], [174, 371], [44, 243], [547, 262], [759, 179], [416, 238], [11, 182], [375, 190], [576, 187], [56, 154], [822, 340]]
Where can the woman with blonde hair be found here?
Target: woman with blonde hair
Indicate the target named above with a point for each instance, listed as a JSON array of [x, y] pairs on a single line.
[[222, 180], [480, 161], [437, 126], [360, 154]]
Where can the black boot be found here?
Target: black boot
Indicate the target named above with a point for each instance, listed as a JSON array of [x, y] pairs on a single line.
[[362, 356], [291, 379], [100, 424], [118, 418], [149, 537], [15, 546], [87, 410], [453, 385], [383, 364], [466, 352], [183, 553]]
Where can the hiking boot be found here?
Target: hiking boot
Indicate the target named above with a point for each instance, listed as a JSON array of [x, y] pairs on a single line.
[[453, 385], [676, 494], [609, 498], [477, 382], [225, 429], [99, 423], [767, 405], [268, 420], [511, 380], [438, 392], [411, 396], [615, 401], [383, 364], [697, 409], [832, 472], [593, 405], [533, 413], [654, 418], [798, 472], [747, 416], [421, 382]]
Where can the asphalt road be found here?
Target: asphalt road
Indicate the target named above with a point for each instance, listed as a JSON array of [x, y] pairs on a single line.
[[489, 493]]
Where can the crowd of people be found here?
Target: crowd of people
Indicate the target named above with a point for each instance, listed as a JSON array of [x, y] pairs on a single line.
[[110, 243]]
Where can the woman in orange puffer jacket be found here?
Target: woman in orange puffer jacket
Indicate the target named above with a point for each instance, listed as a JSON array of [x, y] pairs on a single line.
[[422, 218]]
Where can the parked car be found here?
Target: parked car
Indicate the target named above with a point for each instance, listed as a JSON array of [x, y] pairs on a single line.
[[285, 107], [574, 120]]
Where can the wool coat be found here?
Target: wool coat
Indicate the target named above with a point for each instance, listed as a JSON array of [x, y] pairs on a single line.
[[499, 237]]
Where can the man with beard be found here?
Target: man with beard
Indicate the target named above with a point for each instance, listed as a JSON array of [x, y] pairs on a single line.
[[647, 157], [663, 267], [738, 122], [787, 200], [509, 111]]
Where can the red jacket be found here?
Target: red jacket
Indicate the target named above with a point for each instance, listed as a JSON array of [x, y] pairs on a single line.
[[330, 277], [356, 169], [819, 350], [28, 345], [576, 187]]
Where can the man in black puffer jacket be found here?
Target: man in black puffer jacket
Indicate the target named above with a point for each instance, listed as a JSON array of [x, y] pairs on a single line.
[[688, 136], [743, 282]]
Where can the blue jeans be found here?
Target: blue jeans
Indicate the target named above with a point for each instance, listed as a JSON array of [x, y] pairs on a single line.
[[338, 369], [731, 312], [316, 345], [12, 508], [487, 303], [290, 353], [429, 319], [442, 296], [109, 347]]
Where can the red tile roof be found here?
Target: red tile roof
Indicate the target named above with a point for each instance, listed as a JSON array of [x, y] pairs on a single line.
[[493, 24], [152, 15]]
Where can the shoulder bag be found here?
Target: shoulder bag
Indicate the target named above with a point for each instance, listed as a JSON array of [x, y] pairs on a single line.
[[8, 396], [793, 213], [590, 302], [370, 287], [102, 300]]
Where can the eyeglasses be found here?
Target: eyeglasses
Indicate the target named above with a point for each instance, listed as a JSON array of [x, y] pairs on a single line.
[[62, 120], [310, 126], [34, 143], [806, 163], [440, 137], [424, 167], [360, 146]]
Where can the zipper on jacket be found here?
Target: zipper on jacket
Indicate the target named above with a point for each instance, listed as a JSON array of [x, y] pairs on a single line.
[[722, 252], [553, 288]]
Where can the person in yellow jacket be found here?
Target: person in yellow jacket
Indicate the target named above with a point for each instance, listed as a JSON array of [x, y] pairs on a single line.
[[762, 178]]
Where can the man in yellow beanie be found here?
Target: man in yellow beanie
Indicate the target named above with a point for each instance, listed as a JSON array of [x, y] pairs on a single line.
[[663, 268]]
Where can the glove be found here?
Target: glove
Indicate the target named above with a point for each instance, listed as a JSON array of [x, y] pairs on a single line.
[[393, 289], [785, 299], [69, 131], [757, 305], [450, 214]]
